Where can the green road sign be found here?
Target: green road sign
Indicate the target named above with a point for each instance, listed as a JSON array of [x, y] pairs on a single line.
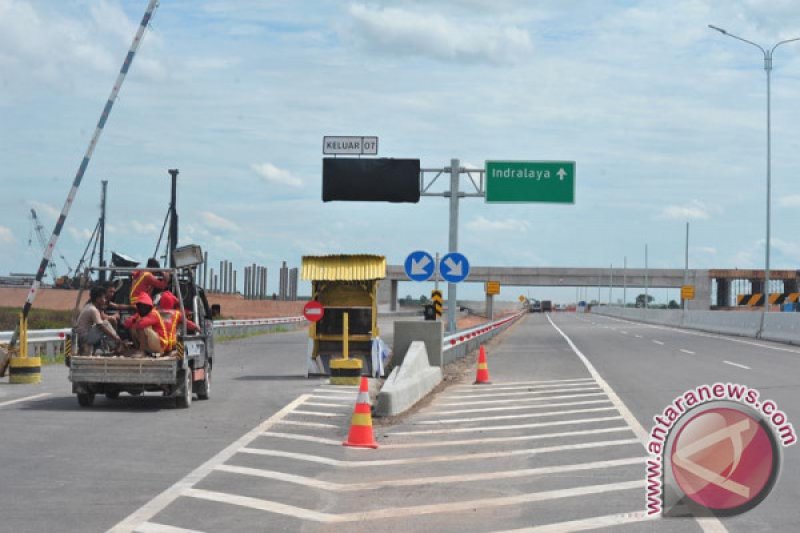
[[530, 181]]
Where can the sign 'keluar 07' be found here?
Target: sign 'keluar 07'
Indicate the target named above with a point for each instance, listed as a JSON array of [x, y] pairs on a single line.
[[370, 180]]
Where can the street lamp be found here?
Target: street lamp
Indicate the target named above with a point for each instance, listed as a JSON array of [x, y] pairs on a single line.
[[768, 53]]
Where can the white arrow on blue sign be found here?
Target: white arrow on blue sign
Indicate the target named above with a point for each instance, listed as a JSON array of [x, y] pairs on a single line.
[[454, 267], [419, 266]]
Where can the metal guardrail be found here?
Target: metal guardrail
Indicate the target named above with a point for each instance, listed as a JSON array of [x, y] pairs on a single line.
[[463, 342], [50, 342]]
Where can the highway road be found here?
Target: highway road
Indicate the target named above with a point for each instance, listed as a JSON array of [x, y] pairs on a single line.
[[551, 445]]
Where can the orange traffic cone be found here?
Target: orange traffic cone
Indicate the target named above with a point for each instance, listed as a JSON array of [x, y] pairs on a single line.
[[361, 424], [482, 376]]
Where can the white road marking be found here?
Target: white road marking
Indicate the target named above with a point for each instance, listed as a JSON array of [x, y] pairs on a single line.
[[25, 399], [516, 400], [504, 428], [638, 336], [314, 413], [480, 389], [623, 332], [513, 417], [329, 398], [658, 342], [737, 364], [160, 502], [512, 408], [575, 388], [399, 512], [489, 440], [687, 351], [323, 404], [336, 393], [410, 482], [510, 383], [588, 523], [307, 424], [343, 463], [707, 524], [301, 437], [152, 527]]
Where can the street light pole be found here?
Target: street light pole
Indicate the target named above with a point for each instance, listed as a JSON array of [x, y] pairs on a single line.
[[768, 54]]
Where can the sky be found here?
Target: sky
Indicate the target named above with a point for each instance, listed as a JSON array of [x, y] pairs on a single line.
[[665, 119]]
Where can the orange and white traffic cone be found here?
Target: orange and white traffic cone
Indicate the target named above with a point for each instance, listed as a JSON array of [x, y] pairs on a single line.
[[482, 376], [361, 424]]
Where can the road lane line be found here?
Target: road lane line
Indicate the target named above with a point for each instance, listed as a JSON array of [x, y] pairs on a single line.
[[638, 336], [314, 413], [329, 398], [479, 389], [489, 440], [509, 383], [708, 525], [411, 482], [301, 437], [585, 524], [576, 388], [737, 364], [323, 404], [687, 351], [623, 332], [658, 342], [512, 408], [509, 427], [402, 512], [152, 527], [335, 393], [343, 463], [512, 417], [437, 404], [25, 399], [160, 502], [307, 424]]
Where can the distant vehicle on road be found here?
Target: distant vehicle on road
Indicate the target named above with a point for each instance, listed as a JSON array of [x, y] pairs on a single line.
[[535, 306], [547, 306]]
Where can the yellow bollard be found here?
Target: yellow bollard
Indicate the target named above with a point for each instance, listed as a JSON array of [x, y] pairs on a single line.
[[346, 371], [24, 369]]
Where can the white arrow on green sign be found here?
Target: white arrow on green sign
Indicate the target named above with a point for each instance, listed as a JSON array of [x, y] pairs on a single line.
[[530, 181]]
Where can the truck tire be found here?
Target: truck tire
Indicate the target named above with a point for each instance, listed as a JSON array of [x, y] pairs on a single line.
[[204, 387], [184, 398], [112, 394], [85, 399]]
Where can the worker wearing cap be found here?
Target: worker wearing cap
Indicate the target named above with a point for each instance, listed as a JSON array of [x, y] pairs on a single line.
[[148, 331], [173, 317], [144, 282]]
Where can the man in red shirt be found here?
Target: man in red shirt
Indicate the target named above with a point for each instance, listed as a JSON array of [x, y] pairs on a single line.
[[148, 331], [143, 282], [173, 317]]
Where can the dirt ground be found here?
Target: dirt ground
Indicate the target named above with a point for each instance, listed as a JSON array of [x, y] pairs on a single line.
[[233, 306]]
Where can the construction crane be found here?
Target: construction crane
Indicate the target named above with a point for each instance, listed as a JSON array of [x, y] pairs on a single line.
[[36, 226]]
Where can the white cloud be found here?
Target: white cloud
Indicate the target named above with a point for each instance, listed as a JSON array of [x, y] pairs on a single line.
[[404, 32], [482, 223], [45, 209], [274, 175], [147, 228], [82, 235], [789, 250], [215, 221], [693, 210], [792, 200], [6, 236], [706, 250]]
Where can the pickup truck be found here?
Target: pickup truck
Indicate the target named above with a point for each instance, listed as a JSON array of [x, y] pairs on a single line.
[[178, 374]]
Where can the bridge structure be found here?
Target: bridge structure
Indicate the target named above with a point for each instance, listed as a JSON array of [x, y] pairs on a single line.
[[713, 287]]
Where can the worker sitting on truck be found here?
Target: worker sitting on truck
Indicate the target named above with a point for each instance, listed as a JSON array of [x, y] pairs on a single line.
[[93, 331], [144, 282], [173, 317], [111, 310], [148, 331]]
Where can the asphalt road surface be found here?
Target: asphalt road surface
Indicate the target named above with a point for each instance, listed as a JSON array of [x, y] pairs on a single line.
[[555, 443]]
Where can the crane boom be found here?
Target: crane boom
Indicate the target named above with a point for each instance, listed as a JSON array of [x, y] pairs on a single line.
[[39, 230]]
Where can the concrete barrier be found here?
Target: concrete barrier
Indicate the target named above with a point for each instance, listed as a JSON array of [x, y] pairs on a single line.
[[739, 323], [406, 332], [782, 327], [409, 382]]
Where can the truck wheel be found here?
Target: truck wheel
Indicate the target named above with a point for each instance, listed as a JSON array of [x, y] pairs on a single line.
[[184, 398], [204, 387], [85, 399], [112, 394]]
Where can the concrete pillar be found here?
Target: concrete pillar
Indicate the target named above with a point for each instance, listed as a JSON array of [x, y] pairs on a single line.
[[790, 285], [283, 282], [702, 291], [393, 295], [211, 287], [723, 292], [293, 284], [757, 285], [490, 306], [234, 282]]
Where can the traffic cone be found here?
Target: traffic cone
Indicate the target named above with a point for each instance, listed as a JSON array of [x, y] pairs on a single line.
[[361, 424], [482, 376]]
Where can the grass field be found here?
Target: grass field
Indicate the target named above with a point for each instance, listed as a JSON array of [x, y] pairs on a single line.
[[38, 318]]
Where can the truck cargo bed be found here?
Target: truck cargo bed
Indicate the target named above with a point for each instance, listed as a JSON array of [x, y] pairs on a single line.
[[94, 369]]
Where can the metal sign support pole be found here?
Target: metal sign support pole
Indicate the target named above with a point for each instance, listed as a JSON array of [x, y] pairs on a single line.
[[452, 245]]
